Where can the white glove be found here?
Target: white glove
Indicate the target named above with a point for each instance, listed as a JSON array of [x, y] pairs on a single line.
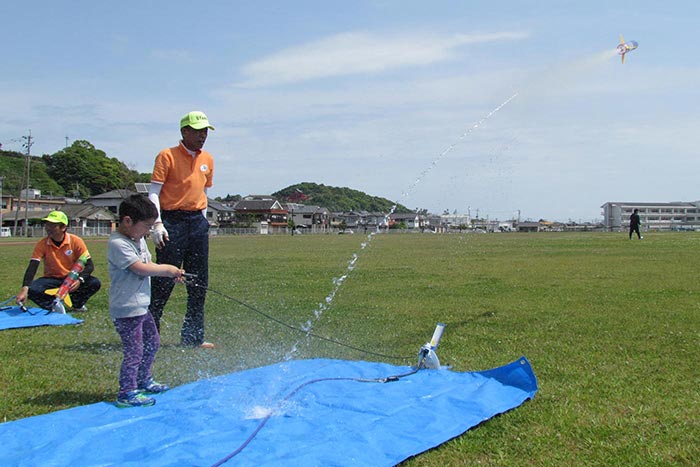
[[159, 235]]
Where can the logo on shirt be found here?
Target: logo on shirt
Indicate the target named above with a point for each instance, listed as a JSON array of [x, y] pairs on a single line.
[[69, 252], [204, 167]]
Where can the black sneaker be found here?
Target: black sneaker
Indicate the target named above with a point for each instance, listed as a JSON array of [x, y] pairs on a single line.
[[152, 387]]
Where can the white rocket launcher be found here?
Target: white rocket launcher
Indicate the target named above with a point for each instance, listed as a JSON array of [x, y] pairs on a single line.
[[427, 358]]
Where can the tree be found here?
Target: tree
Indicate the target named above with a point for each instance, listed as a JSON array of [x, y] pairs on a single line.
[[12, 169], [87, 170], [336, 199], [228, 199]]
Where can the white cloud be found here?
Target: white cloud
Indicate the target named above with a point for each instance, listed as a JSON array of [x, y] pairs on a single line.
[[359, 52]]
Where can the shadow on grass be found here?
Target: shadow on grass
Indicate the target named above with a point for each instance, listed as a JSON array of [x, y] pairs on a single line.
[[106, 347], [68, 398], [472, 320]]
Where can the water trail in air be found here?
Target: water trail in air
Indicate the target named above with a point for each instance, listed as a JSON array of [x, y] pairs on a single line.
[[339, 281], [449, 149]]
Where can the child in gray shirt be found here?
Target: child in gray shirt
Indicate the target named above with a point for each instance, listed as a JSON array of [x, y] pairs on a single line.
[[130, 271]]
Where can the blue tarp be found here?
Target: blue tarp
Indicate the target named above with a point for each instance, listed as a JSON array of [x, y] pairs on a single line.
[[14, 317], [314, 417]]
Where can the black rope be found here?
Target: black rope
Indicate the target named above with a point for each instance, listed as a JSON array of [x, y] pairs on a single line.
[[190, 281], [262, 423], [21, 307], [307, 333]]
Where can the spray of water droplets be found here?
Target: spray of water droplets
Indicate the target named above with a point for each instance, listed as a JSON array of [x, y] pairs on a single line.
[[338, 282], [323, 306], [449, 149]]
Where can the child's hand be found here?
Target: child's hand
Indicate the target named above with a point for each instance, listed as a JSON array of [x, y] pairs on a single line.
[[175, 272]]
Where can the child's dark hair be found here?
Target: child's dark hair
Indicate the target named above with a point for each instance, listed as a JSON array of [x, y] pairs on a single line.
[[138, 207]]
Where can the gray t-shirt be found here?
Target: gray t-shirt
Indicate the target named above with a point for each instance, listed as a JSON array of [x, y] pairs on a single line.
[[129, 293]]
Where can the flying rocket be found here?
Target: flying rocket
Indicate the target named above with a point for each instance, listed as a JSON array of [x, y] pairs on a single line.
[[625, 47]]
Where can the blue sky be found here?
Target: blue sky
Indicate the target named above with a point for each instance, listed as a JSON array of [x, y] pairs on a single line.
[[467, 106]]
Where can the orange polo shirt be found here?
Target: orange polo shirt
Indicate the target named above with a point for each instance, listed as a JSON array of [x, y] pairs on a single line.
[[59, 260], [184, 178]]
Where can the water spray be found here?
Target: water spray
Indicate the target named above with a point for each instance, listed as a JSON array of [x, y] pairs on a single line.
[[449, 149], [427, 358]]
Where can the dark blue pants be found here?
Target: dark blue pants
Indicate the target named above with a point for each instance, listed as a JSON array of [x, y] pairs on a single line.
[[141, 342], [635, 229], [188, 248], [79, 297]]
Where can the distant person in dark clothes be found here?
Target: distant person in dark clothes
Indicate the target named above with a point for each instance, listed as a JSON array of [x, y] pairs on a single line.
[[635, 222]]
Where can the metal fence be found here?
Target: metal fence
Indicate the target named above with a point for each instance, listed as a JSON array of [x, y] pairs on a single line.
[[37, 231]]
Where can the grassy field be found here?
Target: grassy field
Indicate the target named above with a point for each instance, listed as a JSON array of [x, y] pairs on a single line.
[[611, 327]]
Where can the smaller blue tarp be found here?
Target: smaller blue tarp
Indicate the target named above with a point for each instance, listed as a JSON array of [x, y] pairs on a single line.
[[14, 317], [297, 413]]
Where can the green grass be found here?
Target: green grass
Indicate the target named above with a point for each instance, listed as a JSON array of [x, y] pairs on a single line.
[[611, 327]]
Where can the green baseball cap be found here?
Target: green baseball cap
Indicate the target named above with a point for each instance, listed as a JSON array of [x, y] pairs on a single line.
[[57, 217], [196, 120]]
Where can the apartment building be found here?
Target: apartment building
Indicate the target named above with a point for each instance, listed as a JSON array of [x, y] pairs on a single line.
[[677, 215]]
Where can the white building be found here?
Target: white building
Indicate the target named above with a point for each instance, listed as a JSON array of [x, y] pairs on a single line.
[[455, 220], [678, 215]]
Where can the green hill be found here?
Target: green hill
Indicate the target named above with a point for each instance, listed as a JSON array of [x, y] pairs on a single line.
[[336, 199], [13, 172], [80, 169]]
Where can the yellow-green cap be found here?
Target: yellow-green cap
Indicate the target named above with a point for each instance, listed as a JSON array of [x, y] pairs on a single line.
[[196, 120], [57, 217]]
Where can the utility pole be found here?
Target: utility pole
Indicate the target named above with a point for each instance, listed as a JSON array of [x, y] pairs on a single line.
[[1, 203], [66, 141], [28, 146]]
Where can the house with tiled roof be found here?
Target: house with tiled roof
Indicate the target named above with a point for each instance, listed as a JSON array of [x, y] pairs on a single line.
[[110, 200], [308, 216], [254, 209]]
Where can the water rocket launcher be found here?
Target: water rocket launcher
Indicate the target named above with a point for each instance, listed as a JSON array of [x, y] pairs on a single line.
[[427, 358], [61, 293]]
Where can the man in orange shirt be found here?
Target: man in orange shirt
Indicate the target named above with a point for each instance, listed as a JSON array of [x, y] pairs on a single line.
[[179, 182], [60, 251]]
